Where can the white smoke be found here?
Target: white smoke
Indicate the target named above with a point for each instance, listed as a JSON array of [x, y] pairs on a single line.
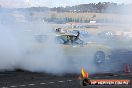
[[19, 50], [9, 52]]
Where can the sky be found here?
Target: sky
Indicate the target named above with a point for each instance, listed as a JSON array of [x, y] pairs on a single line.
[[53, 3]]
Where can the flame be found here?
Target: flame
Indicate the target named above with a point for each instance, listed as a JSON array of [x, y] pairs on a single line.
[[84, 74]]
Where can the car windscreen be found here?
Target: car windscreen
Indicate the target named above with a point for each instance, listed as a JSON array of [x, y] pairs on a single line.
[[66, 40]]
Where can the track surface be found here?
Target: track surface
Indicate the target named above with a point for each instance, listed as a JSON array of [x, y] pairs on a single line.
[[21, 79]]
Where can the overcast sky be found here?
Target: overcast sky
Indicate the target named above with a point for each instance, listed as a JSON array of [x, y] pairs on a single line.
[[53, 3]]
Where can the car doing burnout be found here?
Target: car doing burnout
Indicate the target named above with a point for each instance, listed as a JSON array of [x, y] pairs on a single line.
[[75, 50]]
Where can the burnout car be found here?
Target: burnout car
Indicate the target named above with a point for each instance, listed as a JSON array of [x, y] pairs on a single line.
[[74, 48], [76, 52]]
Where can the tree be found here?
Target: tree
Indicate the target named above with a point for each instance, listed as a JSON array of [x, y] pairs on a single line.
[[100, 6]]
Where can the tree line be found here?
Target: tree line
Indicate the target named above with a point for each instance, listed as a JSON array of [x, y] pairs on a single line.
[[101, 7]]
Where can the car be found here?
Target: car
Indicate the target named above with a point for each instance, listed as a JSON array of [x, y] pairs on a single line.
[[74, 47], [83, 33], [77, 48], [74, 50]]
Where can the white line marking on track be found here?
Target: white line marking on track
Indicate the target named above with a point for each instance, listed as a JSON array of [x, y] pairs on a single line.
[[51, 82], [69, 80], [42, 83], [35, 84], [22, 85], [31, 84], [13, 86], [61, 81]]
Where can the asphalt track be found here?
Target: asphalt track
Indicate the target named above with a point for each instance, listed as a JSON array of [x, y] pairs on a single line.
[[23, 79]]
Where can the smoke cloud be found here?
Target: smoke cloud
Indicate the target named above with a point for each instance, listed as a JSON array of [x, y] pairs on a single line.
[[9, 52], [32, 47], [22, 47]]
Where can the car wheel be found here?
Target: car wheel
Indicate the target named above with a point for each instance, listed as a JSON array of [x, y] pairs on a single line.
[[99, 57]]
